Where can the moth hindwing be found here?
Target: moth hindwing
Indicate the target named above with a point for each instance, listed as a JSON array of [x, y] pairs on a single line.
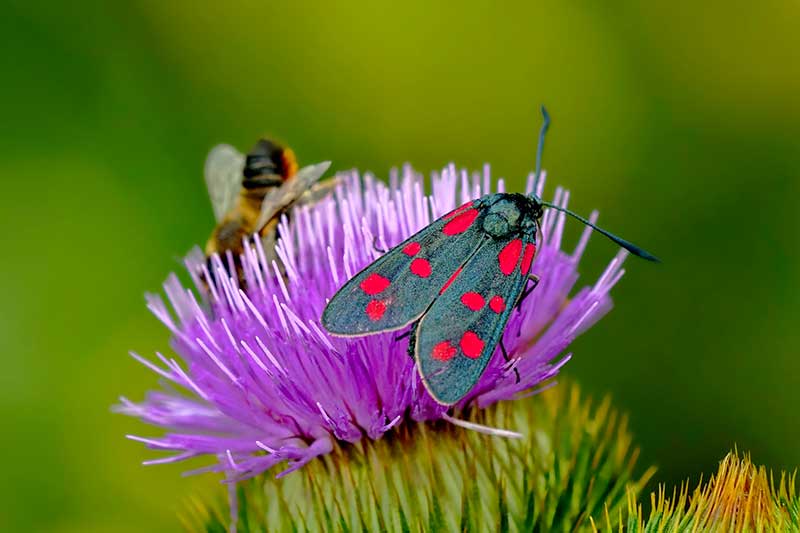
[[398, 288]]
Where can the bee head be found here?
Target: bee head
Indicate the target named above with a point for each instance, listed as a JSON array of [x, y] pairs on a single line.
[[268, 164]]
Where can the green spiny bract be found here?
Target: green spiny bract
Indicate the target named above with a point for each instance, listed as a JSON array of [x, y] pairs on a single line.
[[573, 462], [741, 497]]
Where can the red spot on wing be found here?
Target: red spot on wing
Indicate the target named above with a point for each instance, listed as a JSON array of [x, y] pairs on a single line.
[[451, 280], [374, 284], [411, 248], [375, 310], [527, 258], [471, 345], [473, 300], [444, 351], [460, 223], [458, 210], [497, 304], [509, 256], [421, 267]]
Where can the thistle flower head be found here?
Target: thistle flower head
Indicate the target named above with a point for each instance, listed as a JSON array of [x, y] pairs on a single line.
[[739, 497], [267, 385], [577, 462]]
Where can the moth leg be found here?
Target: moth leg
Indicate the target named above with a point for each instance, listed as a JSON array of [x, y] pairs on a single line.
[[505, 356], [403, 335], [528, 290], [412, 343], [375, 245]]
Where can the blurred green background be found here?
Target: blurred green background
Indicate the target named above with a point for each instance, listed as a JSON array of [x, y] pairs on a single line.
[[681, 123]]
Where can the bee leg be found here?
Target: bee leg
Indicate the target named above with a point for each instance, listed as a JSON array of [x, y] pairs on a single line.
[[526, 292], [505, 356]]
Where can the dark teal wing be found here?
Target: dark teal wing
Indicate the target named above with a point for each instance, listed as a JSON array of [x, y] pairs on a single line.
[[396, 289], [457, 336]]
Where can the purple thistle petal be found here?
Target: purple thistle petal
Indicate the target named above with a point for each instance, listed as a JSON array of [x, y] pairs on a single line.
[[266, 383]]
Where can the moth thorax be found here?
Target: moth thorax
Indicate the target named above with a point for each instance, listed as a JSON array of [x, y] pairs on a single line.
[[503, 218]]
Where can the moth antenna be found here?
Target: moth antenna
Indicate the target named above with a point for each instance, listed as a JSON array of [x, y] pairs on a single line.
[[632, 248], [540, 148]]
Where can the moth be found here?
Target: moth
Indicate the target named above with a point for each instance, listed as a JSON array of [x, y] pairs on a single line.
[[456, 283]]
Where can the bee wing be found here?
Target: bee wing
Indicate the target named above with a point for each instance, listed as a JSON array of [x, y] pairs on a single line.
[[318, 191], [290, 191], [223, 173], [457, 336]]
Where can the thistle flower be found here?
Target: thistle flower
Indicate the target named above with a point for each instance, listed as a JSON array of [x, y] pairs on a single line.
[[740, 497], [576, 460], [267, 385]]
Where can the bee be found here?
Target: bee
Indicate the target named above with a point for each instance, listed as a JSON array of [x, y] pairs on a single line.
[[249, 193]]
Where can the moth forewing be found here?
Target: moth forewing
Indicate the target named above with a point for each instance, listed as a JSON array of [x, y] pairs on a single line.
[[398, 287], [459, 333]]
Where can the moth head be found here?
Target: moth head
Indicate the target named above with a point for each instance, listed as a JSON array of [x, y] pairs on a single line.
[[536, 208]]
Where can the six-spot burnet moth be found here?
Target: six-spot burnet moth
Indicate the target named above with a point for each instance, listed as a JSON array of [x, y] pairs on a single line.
[[456, 282]]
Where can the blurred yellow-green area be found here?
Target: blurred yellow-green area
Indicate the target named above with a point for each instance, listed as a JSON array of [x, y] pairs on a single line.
[[679, 121]]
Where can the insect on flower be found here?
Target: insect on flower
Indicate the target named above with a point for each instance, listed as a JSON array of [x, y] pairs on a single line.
[[249, 193], [456, 283]]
